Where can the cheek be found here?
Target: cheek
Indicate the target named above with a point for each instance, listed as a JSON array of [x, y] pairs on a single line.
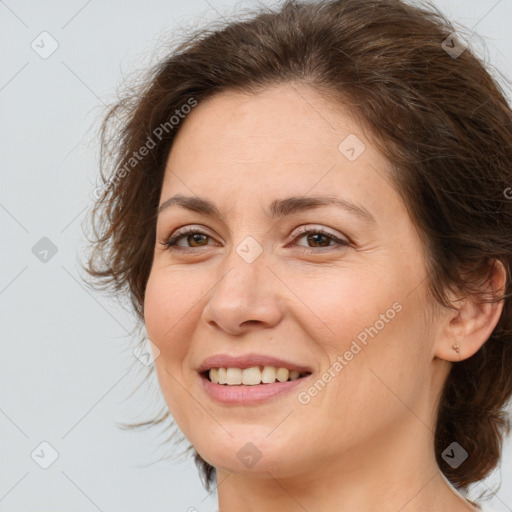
[[167, 322], [370, 319], [157, 310], [168, 310], [339, 303]]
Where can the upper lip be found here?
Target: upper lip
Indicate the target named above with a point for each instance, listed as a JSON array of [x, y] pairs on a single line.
[[247, 361]]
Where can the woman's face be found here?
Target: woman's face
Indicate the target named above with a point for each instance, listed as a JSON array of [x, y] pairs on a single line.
[[348, 305]]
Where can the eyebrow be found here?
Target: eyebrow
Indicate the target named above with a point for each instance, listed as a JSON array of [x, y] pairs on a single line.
[[279, 208]]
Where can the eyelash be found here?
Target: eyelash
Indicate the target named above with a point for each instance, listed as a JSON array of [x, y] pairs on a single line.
[[171, 242]]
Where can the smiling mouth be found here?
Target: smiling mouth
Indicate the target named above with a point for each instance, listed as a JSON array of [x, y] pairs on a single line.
[[253, 376]]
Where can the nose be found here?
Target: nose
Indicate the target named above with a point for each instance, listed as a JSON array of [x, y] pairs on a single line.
[[246, 297]]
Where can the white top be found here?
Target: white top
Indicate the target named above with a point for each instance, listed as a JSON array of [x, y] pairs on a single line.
[[483, 508]]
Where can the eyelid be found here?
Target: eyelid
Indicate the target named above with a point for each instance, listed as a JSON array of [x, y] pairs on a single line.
[[170, 242], [320, 229], [185, 230]]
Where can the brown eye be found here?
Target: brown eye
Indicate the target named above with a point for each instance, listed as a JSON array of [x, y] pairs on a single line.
[[192, 237], [316, 238], [319, 238], [195, 239]]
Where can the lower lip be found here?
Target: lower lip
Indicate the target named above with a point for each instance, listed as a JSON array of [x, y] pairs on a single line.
[[247, 395]]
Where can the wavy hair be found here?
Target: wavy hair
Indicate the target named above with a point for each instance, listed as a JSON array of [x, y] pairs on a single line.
[[437, 115]]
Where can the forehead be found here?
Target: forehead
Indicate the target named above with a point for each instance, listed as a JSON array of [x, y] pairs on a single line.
[[286, 139], [280, 116]]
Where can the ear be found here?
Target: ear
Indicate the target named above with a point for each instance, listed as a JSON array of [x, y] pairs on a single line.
[[473, 321]]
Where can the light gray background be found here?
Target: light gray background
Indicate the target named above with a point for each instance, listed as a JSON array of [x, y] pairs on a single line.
[[66, 365]]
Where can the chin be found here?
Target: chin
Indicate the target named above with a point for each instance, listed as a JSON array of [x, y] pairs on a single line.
[[249, 454]]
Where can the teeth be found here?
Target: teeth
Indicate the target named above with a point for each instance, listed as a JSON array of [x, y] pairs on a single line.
[[234, 376], [282, 374], [268, 375], [294, 374], [252, 376], [221, 376]]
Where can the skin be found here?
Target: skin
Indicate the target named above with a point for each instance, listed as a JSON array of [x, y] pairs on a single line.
[[365, 441]]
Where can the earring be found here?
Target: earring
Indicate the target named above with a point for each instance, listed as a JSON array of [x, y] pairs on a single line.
[[456, 347]]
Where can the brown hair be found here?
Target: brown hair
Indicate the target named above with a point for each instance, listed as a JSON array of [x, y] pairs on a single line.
[[440, 119]]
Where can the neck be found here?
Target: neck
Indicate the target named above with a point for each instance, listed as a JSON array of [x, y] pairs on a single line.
[[397, 471]]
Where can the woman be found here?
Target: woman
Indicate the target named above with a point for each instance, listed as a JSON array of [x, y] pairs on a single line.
[[309, 211]]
